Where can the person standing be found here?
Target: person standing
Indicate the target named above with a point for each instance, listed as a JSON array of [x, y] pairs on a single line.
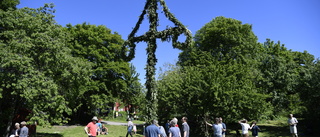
[[174, 131], [91, 128], [217, 127], [255, 129], [130, 127], [24, 131], [175, 120], [185, 127], [152, 130], [224, 127], [167, 126], [162, 131], [292, 121], [16, 131], [245, 127]]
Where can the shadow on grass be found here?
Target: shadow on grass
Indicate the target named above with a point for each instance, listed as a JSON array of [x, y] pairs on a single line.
[[48, 135], [275, 130]]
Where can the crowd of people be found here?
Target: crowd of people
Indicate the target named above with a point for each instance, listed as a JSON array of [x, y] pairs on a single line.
[[171, 129], [219, 128]]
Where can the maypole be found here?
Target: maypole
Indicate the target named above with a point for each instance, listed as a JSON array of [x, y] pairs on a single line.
[[150, 37]]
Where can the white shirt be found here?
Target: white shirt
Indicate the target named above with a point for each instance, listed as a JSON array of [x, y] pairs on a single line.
[[245, 128]]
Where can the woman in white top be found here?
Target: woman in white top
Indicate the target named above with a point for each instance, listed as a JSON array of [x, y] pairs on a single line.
[[245, 127]]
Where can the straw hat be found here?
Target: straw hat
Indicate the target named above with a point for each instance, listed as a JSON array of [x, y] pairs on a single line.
[[95, 118]]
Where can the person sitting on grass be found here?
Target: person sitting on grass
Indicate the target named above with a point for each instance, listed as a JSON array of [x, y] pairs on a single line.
[[104, 130]]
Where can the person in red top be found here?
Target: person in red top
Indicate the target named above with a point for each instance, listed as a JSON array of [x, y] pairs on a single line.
[[91, 128]]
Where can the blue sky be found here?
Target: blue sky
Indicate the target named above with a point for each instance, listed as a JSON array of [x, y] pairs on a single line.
[[295, 23]]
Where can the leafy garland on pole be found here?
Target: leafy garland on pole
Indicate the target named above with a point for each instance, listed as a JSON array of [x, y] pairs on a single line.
[[171, 33]]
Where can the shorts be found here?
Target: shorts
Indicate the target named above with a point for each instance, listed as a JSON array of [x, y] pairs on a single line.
[[293, 129]]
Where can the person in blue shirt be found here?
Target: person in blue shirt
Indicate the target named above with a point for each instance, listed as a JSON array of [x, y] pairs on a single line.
[[174, 130], [255, 129], [99, 127], [217, 128], [24, 131], [152, 130], [130, 127]]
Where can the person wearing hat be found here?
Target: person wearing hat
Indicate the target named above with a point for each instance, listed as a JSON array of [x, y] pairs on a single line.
[[24, 130], [91, 128]]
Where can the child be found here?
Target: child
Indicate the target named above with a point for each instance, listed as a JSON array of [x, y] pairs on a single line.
[[134, 129], [255, 129], [104, 130]]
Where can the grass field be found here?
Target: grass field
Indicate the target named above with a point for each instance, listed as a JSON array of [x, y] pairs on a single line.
[[268, 129], [78, 131]]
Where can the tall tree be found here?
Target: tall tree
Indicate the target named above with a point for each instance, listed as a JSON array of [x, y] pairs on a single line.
[[210, 89], [150, 37], [309, 86], [38, 72], [224, 60], [134, 95], [110, 70], [280, 75]]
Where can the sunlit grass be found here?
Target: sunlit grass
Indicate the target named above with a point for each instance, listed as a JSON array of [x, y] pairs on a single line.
[[78, 131], [274, 128]]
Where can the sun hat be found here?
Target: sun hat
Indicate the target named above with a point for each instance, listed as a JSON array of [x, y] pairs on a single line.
[[95, 118]]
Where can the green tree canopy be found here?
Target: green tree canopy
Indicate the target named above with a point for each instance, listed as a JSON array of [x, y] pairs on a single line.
[[112, 77], [37, 70], [7, 4], [280, 74], [227, 39]]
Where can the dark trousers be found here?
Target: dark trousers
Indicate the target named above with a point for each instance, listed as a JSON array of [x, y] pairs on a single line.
[[129, 133]]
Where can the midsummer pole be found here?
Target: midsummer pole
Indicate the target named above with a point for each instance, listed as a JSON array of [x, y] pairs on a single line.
[[150, 37]]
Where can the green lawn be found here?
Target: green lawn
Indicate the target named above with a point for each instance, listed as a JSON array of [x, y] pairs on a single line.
[[78, 131], [276, 128]]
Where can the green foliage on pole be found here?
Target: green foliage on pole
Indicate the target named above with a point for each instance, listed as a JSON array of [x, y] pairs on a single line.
[[171, 33]]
